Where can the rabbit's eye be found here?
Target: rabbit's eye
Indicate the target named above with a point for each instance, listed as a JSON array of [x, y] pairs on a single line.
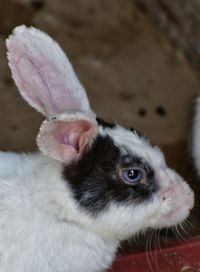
[[133, 176]]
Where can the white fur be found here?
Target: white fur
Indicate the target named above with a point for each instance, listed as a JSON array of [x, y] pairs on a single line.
[[138, 145], [41, 229], [196, 136]]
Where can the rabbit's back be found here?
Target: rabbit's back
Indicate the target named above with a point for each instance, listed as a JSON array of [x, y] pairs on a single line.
[[53, 246], [33, 240]]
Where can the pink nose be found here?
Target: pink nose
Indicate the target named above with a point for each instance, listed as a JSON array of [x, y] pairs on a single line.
[[181, 193], [173, 187]]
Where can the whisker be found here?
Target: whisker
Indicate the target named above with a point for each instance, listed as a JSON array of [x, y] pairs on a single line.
[[183, 229], [155, 247], [189, 223], [159, 244], [152, 250], [176, 233], [147, 254], [166, 236], [179, 233]]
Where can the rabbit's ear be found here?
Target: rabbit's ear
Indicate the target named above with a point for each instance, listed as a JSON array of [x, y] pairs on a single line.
[[43, 73], [65, 137]]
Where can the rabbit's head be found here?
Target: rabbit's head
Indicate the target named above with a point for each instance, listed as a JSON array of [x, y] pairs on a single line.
[[116, 177]]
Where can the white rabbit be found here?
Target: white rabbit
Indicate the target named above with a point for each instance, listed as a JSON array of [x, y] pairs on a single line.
[[94, 184]]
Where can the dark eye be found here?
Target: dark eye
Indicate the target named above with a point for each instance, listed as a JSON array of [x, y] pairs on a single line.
[[133, 176]]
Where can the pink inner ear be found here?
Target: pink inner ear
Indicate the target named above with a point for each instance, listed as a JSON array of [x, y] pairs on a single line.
[[66, 140], [75, 134]]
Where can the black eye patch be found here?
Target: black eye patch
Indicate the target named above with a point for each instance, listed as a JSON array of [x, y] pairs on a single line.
[[93, 179]]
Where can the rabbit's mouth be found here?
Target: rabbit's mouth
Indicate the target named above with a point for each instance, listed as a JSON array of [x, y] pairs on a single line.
[[176, 198]]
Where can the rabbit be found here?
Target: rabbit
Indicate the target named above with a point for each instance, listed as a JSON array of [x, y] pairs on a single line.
[[91, 185]]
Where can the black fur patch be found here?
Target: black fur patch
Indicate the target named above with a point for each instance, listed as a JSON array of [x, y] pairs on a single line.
[[103, 123], [95, 181]]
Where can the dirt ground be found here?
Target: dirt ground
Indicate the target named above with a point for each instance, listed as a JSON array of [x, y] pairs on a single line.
[[132, 73]]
